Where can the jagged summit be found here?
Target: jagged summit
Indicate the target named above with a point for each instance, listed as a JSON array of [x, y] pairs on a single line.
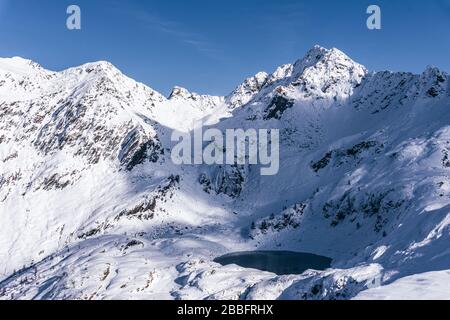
[[321, 74], [328, 59], [434, 72], [327, 73], [282, 72], [99, 66], [186, 100], [181, 93], [97, 70], [317, 53], [247, 90]]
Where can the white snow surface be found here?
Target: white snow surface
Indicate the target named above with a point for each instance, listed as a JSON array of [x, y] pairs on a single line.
[[91, 206]]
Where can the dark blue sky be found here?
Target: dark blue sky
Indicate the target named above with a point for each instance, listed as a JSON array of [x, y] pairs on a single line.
[[211, 46]]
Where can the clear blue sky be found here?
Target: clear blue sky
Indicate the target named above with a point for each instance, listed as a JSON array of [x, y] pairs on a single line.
[[210, 46]]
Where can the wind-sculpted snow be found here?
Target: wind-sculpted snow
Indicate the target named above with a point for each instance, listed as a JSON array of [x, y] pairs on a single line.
[[91, 206]]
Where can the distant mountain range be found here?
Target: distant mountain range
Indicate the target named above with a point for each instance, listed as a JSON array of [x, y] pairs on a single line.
[[91, 206]]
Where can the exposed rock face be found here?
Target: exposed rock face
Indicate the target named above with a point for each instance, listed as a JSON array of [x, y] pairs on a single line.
[[227, 180], [137, 148], [278, 106]]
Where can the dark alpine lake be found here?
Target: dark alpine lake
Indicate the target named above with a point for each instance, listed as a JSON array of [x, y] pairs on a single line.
[[279, 262]]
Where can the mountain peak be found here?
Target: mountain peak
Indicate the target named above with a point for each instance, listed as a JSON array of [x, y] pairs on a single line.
[[327, 72], [97, 67], [20, 66], [317, 49], [431, 69], [316, 54], [320, 55], [180, 93], [247, 90], [199, 102]]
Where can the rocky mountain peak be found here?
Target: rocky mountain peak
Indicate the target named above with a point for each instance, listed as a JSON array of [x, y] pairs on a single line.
[[433, 82], [181, 93], [247, 90], [200, 102], [327, 73]]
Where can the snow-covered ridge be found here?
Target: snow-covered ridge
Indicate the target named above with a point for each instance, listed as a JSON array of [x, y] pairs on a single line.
[[20, 66], [93, 208]]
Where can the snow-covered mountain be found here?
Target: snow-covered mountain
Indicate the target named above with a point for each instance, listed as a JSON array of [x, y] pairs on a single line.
[[92, 207]]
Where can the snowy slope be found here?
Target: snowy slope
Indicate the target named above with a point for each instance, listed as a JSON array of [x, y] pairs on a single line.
[[91, 206]]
